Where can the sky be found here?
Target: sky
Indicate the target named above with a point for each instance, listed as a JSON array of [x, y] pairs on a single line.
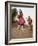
[[26, 10]]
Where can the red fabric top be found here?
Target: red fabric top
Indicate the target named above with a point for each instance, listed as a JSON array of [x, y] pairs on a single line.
[[21, 21]]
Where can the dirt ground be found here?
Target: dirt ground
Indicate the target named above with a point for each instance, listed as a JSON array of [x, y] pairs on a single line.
[[27, 33]]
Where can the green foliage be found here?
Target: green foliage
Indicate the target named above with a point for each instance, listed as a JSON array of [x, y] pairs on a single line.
[[13, 14]]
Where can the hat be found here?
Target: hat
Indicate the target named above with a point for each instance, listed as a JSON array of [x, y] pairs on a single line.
[[20, 10]]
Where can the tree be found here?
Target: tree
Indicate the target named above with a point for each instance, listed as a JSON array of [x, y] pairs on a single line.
[[14, 11]]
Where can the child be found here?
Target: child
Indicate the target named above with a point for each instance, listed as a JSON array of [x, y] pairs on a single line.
[[20, 20], [29, 20]]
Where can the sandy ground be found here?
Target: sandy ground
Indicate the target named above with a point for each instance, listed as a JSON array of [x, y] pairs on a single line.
[[26, 33]]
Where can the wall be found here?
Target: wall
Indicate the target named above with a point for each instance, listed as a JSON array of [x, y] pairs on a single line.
[[37, 22]]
